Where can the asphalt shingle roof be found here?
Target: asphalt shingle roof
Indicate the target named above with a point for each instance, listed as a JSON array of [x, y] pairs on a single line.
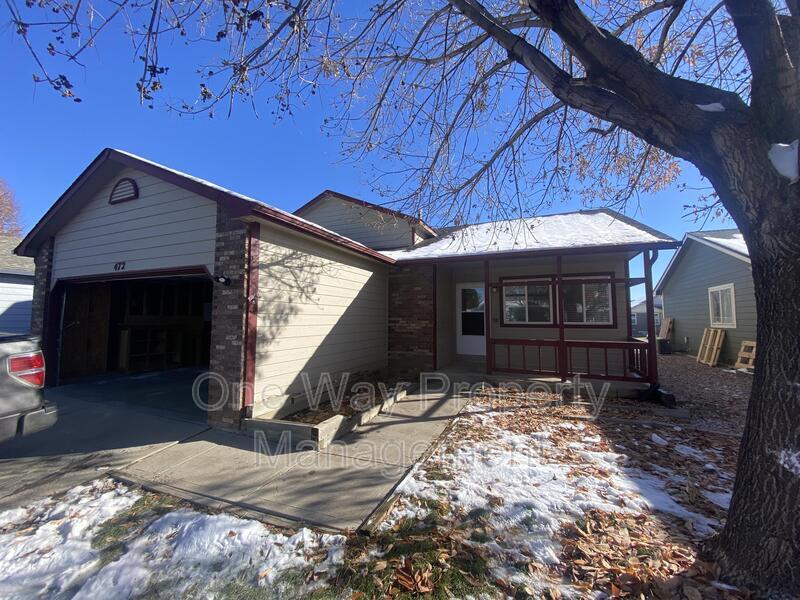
[[10, 262]]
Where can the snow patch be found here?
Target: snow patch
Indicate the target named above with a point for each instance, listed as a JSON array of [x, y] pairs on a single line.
[[653, 494], [185, 548], [712, 107], [46, 548], [784, 157], [790, 460], [541, 488], [685, 450], [548, 232], [658, 440], [721, 499]]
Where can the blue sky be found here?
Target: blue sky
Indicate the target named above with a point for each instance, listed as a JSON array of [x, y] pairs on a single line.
[[49, 140]]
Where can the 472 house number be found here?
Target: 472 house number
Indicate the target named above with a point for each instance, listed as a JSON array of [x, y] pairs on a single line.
[[120, 266]]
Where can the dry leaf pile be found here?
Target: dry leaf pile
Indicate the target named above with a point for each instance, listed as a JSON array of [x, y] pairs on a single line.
[[716, 397], [637, 557]]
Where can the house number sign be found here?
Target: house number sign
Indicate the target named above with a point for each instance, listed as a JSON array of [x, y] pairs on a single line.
[[120, 266]]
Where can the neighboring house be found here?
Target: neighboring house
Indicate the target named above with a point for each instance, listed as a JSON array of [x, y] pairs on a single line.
[[708, 283], [639, 316], [16, 287], [143, 268]]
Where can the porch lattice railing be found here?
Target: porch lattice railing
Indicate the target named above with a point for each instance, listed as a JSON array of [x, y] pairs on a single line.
[[610, 360]]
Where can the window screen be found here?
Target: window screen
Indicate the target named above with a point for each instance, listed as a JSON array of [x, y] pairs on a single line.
[[525, 304], [587, 303]]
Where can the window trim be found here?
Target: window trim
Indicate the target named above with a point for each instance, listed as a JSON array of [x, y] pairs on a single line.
[[720, 288], [524, 283], [551, 280]]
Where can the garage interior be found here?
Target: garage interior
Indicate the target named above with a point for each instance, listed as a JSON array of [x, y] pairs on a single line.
[[134, 330]]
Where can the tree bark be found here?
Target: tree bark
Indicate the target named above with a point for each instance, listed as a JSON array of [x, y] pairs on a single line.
[[760, 544], [761, 539]]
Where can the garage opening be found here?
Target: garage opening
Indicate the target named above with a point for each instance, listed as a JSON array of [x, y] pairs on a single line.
[[155, 330]]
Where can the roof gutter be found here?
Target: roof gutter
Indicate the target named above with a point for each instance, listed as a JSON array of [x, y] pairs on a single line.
[[665, 245]]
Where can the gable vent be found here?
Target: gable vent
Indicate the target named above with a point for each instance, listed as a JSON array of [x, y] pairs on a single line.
[[125, 189]]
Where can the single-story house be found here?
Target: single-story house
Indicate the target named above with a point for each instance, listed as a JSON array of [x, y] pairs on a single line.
[[16, 287], [639, 316], [142, 268], [709, 283]]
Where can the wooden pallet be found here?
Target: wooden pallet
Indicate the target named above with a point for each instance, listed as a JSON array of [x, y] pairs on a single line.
[[666, 328], [747, 356], [711, 346]]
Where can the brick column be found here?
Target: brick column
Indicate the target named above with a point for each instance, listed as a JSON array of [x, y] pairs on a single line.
[[228, 313], [41, 288], [412, 319]]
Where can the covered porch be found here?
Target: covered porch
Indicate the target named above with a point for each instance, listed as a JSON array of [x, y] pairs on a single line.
[[550, 316]]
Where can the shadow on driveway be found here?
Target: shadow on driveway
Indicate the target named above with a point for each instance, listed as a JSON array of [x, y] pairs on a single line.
[[102, 425]]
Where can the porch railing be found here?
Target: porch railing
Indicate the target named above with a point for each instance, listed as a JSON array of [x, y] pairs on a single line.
[[610, 360]]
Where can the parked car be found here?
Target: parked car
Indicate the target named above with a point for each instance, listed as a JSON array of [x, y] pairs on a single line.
[[23, 409]]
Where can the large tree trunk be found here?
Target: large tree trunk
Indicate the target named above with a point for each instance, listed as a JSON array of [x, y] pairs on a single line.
[[761, 539], [760, 543]]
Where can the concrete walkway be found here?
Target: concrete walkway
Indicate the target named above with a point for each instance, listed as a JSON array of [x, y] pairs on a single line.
[[336, 488]]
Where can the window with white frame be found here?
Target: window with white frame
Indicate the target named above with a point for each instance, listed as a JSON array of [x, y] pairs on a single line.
[[634, 319], [721, 306], [587, 303], [528, 304]]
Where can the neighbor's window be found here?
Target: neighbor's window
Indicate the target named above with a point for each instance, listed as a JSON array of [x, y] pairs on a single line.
[[633, 319], [587, 303], [721, 306], [529, 304]]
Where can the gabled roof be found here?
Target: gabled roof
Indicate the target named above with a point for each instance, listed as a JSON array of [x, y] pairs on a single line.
[[9, 262], [238, 205], [727, 241], [597, 229], [658, 302], [416, 221]]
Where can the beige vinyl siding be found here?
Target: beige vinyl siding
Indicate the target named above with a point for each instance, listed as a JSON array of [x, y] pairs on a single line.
[[16, 293], [686, 299], [372, 228], [320, 309], [166, 227]]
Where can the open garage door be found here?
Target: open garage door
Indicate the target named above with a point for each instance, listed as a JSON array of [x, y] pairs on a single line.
[[135, 326]]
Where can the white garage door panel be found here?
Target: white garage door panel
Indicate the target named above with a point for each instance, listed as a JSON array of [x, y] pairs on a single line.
[[165, 228], [15, 304]]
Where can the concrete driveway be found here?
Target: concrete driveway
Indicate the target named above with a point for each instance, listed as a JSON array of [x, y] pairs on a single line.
[[109, 429], [102, 425]]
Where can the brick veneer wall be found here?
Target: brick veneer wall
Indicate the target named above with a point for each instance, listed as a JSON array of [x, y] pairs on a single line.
[[412, 322], [228, 319], [41, 287]]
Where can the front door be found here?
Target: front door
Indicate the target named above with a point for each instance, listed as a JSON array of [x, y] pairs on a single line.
[[470, 322]]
